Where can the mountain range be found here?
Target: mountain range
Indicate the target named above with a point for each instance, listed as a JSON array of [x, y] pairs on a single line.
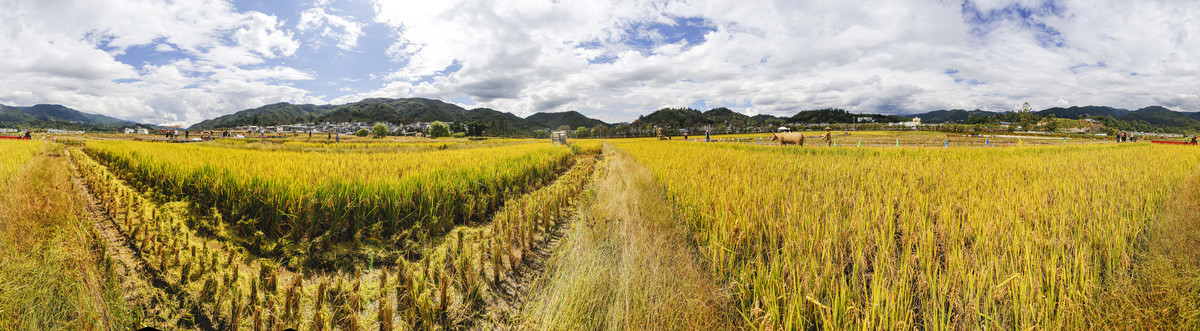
[[1149, 119], [409, 110], [397, 111], [58, 116]]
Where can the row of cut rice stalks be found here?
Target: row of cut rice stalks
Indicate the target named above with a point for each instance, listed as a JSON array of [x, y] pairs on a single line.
[[238, 290]]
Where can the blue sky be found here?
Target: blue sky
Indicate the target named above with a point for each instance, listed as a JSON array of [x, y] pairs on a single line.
[[180, 62]]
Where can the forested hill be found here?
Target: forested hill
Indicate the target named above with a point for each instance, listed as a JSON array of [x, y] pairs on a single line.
[[59, 117], [571, 119], [690, 118], [1149, 119], [409, 110], [395, 111]]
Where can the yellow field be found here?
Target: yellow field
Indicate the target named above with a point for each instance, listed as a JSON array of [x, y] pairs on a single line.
[[363, 145], [309, 194], [459, 234], [906, 139], [454, 273], [898, 238], [16, 153]]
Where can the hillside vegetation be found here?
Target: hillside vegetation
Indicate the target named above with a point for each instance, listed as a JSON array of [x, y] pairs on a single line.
[[59, 117], [398, 111]]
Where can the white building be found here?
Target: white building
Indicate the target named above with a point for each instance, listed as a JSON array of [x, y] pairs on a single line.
[[916, 121]]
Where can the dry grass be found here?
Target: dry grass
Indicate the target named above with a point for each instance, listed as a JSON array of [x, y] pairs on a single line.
[[52, 276], [625, 264], [1165, 290]]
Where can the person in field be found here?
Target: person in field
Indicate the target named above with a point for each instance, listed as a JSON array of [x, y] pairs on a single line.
[[828, 137], [788, 138], [27, 136]]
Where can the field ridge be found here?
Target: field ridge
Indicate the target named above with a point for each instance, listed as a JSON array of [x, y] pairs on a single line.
[[134, 268]]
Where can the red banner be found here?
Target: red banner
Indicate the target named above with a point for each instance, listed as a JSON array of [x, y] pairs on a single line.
[[1170, 142]]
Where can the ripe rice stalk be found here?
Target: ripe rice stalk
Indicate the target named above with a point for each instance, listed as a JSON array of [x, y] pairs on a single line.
[[845, 238], [440, 187]]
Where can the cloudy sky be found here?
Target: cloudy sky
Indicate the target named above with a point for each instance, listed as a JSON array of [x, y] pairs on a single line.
[[180, 62]]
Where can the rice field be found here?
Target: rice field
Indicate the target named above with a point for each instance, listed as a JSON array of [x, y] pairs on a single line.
[[845, 238], [911, 139], [218, 285], [363, 146], [16, 154], [504, 234], [311, 194]]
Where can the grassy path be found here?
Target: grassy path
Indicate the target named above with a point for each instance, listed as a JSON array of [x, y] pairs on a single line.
[[52, 274], [625, 263]]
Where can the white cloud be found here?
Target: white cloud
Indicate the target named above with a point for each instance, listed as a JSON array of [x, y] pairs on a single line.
[[345, 30], [610, 59], [785, 56], [262, 35], [66, 52]]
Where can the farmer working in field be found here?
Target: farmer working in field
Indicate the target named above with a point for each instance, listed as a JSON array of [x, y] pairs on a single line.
[[828, 137]]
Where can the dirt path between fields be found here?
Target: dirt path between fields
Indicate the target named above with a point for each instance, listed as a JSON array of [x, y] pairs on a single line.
[[625, 263], [144, 287]]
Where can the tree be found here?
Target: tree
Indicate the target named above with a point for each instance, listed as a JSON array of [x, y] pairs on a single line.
[[622, 130], [1051, 125], [476, 128], [1025, 108], [1025, 117], [583, 132], [361, 133], [439, 129], [379, 130], [599, 131]]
